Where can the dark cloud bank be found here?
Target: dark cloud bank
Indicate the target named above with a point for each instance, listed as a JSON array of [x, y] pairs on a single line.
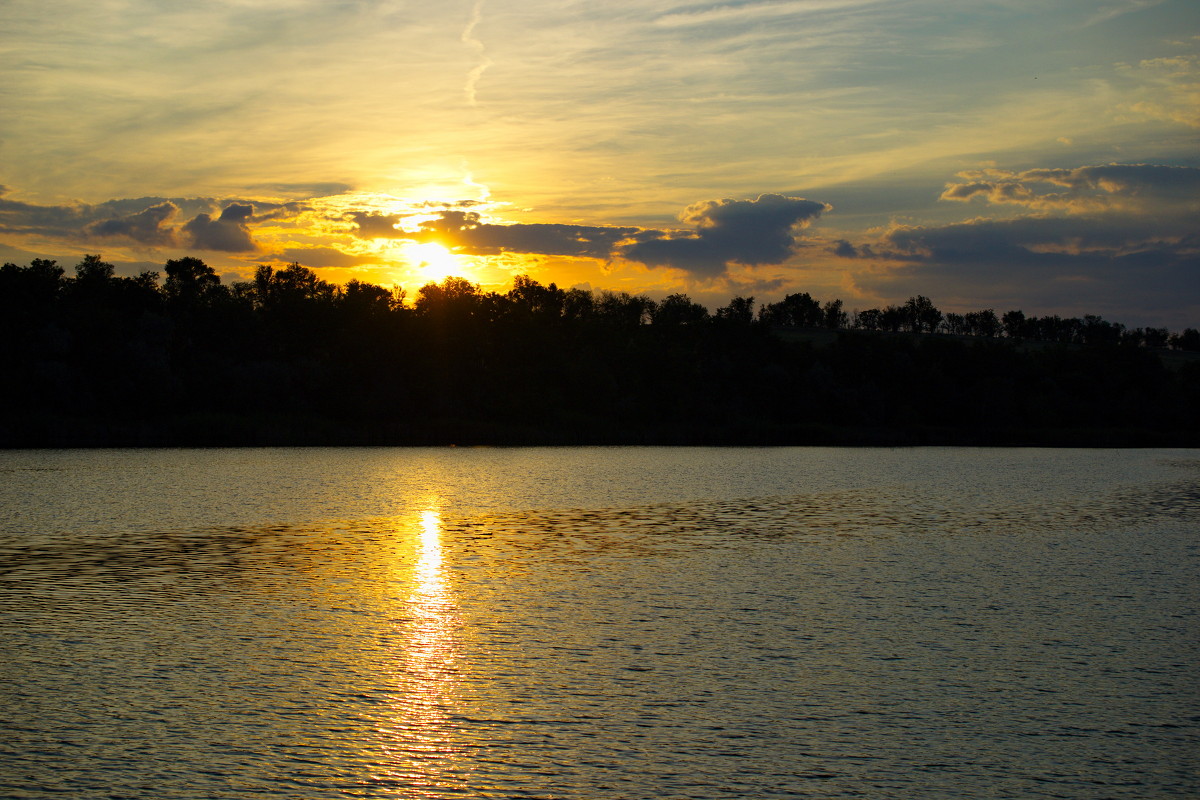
[[721, 233], [1117, 239], [724, 232], [751, 232], [149, 221], [228, 233]]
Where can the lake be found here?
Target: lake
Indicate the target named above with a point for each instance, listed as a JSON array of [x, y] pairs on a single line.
[[599, 623]]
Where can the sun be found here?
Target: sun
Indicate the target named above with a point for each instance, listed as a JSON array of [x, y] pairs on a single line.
[[433, 262]]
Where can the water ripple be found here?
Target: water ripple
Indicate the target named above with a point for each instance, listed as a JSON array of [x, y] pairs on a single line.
[[961, 625]]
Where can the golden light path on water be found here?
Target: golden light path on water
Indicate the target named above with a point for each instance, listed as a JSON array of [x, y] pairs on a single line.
[[416, 738]]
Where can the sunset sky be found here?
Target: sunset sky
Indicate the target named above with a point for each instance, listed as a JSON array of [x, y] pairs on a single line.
[[986, 153]]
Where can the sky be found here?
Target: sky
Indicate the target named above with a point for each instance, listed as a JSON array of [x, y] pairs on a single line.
[[996, 154]]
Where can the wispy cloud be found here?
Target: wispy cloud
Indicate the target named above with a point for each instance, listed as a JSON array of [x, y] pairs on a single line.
[[476, 45], [723, 13], [1169, 88], [1112, 10], [1140, 188], [585, 127]]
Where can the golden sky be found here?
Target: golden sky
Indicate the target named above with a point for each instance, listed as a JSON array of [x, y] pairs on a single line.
[[1005, 154]]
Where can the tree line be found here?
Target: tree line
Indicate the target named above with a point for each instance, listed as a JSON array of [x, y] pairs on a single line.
[[287, 358], [919, 315]]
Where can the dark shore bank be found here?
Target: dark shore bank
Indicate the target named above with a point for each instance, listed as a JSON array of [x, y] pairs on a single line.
[[101, 361]]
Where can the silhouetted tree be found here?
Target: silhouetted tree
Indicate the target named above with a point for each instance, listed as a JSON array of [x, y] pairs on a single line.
[[832, 315], [37, 285], [678, 309], [894, 318], [532, 298], [739, 311], [1157, 338], [93, 269], [982, 323], [1188, 339], [1097, 331], [955, 324], [921, 315], [287, 357], [870, 319], [188, 279], [366, 300], [293, 285], [578, 304], [455, 305], [624, 309], [1013, 323], [799, 310]]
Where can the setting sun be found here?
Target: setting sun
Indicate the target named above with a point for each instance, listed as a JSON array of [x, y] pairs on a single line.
[[433, 261]]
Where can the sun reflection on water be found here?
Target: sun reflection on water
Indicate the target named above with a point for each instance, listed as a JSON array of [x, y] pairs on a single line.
[[430, 586], [418, 737]]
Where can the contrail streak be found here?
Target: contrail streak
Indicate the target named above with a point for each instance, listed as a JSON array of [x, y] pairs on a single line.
[[468, 38]]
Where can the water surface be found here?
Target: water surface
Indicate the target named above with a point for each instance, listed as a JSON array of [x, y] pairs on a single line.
[[599, 623]]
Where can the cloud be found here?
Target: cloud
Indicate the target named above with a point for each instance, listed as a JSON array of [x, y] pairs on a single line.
[[991, 242], [1085, 190], [1113, 239], [322, 257], [19, 217], [1112, 11], [149, 226], [17, 255], [304, 190], [465, 231], [750, 232], [842, 248], [270, 212], [724, 232], [373, 225], [147, 220], [1074, 242], [471, 40], [1168, 88], [726, 13], [1100, 266], [228, 233], [1151, 180]]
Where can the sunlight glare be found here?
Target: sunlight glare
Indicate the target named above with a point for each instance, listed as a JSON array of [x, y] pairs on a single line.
[[429, 562], [417, 739], [434, 261]]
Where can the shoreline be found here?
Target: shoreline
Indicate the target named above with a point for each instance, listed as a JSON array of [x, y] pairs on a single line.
[[241, 432]]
